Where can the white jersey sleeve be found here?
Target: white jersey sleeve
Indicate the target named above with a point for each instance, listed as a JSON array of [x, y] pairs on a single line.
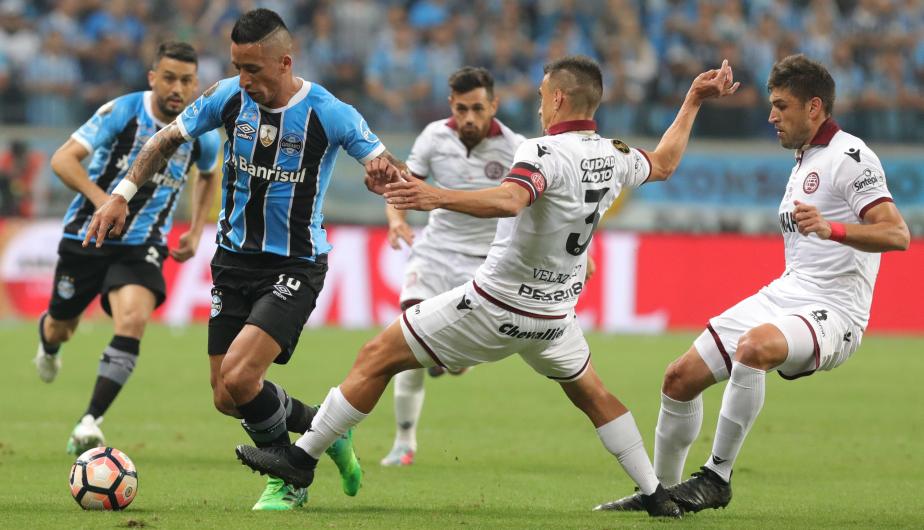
[[862, 184], [418, 162]]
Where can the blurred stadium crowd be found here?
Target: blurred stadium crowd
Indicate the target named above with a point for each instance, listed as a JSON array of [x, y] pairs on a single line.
[[61, 59]]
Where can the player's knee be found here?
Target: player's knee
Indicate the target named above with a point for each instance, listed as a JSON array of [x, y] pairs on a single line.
[[224, 404], [754, 352], [676, 383], [237, 380], [131, 322]]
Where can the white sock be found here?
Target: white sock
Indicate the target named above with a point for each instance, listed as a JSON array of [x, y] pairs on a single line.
[[621, 437], [741, 403], [679, 423], [409, 398], [334, 418]]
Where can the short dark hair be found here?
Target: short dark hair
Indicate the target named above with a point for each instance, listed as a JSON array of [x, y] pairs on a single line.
[[180, 51], [804, 78], [587, 89], [254, 25], [469, 78]]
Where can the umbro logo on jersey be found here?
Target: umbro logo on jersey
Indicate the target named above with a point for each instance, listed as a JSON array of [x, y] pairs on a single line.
[[854, 153], [244, 131], [542, 150], [718, 461], [465, 303]]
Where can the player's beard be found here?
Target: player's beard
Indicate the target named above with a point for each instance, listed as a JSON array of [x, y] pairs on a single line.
[[163, 107], [471, 136]]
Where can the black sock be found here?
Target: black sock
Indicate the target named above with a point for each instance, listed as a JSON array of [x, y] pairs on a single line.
[[115, 366], [49, 348], [299, 418], [265, 418]]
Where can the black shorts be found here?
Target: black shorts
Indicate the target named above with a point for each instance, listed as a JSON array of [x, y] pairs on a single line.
[[83, 273], [275, 293]]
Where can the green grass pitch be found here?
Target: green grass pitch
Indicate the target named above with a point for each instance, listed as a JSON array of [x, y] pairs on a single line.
[[499, 447]]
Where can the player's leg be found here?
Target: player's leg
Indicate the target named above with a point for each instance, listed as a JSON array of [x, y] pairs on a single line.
[[78, 278], [681, 414], [620, 435], [344, 407], [409, 399]]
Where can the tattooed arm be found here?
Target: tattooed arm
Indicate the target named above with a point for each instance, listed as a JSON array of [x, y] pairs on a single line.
[[153, 157]]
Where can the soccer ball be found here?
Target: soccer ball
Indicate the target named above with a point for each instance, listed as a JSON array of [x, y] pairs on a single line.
[[103, 478]]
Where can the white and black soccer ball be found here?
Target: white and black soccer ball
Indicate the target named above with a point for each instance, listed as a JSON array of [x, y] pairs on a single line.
[[103, 478]]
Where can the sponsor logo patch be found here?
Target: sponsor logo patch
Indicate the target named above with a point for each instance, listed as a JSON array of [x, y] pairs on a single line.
[[811, 182], [512, 330], [551, 296], [597, 170], [364, 130], [291, 144], [868, 180]]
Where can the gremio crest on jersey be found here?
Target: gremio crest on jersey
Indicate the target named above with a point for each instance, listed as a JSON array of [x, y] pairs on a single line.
[[267, 134]]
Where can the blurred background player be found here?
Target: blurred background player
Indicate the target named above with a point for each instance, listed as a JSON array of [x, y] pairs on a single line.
[[470, 150], [837, 216], [127, 271], [283, 136], [523, 296]]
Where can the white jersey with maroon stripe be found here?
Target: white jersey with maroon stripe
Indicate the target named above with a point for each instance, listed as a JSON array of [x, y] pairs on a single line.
[[438, 153], [537, 261], [841, 176]]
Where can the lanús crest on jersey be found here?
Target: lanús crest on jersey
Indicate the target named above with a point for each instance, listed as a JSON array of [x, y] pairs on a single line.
[[620, 146], [268, 134], [494, 170], [811, 182]]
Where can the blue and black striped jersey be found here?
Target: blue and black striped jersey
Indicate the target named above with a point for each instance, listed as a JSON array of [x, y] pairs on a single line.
[[115, 135], [278, 164]]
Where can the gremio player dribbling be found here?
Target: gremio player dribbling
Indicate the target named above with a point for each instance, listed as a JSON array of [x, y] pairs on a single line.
[[283, 136], [126, 272]]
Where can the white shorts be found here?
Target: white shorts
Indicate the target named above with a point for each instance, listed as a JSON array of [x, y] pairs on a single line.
[[819, 338], [465, 327], [429, 273]]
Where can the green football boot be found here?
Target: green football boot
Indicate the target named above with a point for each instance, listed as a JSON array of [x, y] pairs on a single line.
[[278, 496], [351, 474]]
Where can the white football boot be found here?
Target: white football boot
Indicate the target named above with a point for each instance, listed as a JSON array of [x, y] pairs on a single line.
[[86, 435], [47, 364]]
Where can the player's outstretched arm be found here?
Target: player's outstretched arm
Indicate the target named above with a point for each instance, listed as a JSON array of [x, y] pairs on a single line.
[[710, 84], [152, 158], [883, 228], [505, 200], [67, 163]]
